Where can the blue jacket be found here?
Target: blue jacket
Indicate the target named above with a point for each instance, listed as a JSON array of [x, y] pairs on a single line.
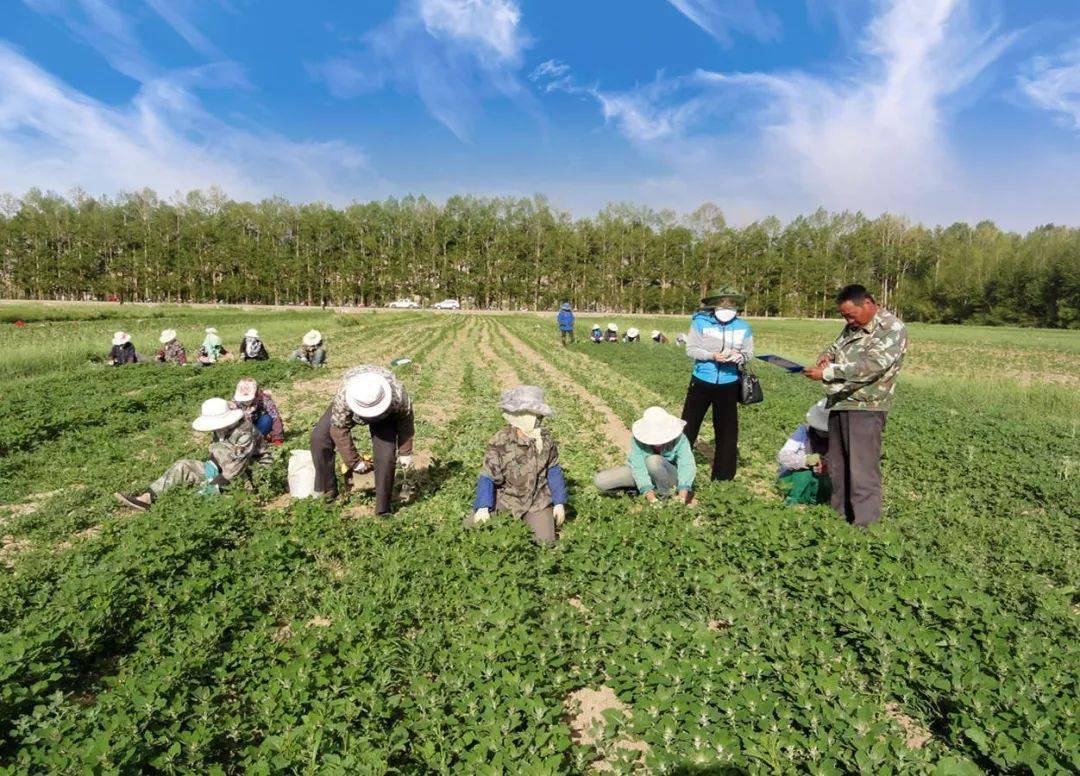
[[708, 336], [566, 320]]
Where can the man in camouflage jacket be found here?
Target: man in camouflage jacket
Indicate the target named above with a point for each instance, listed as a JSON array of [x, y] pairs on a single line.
[[859, 371]]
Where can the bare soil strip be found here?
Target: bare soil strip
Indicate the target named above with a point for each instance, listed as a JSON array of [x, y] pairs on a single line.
[[504, 373], [612, 427]]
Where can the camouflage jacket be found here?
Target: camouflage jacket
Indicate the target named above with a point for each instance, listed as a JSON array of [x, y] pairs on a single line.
[[343, 419], [865, 363], [519, 472], [236, 449]]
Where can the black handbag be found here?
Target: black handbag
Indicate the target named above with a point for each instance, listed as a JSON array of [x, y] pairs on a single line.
[[749, 386]]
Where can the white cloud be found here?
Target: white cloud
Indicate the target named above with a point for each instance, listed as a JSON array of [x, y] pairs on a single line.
[[173, 13], [57, 138], [453, 53], [1053, 84], [100, 25], [719, 17]]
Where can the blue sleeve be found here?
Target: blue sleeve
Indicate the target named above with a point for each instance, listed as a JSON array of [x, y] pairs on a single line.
[[485, 493], [557, 484]]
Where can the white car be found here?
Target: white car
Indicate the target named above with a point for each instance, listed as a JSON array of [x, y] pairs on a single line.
[[447, 304], [404, 304]]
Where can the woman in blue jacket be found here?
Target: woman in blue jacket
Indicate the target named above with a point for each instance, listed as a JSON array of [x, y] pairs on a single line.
[[719, 341], [565, 319]]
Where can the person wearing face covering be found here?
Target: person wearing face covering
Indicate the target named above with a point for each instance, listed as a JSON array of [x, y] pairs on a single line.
[[596, 336], [521, 473], [212, 350], [719, 341], [252, 347]]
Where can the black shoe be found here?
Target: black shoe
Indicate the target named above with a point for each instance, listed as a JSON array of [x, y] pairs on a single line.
[[131, 501]]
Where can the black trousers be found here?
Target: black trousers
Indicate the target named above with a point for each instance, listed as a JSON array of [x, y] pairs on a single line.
[[724, 400], [384, 443], [565, 335]]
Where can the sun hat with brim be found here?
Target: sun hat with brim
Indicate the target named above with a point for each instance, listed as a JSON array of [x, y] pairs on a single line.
[[313, 338], [632, 332], [596, 327], [724, 292], [565, 306], [167, 336], [612, 327], [216, 415], [121, 338], [368, 395], [211, 330], [655, 333], [246, 389], [657, 426], [525, 398], [252, 333], [818, 417]]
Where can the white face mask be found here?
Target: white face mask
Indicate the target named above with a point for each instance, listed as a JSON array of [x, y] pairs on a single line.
[[725, 314], [528, 424]]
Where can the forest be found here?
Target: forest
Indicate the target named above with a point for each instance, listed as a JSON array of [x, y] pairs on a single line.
[[523, 253]]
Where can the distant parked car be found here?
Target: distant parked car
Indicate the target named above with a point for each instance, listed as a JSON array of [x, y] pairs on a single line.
[[447, 304], [404, 304]]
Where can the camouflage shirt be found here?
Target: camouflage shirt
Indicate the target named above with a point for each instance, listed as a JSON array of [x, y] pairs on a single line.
[[865, 363], [233, 450], [400, 403], [519, 471]]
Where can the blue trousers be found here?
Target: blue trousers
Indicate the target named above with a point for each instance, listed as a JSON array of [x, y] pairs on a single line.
[[264, 423]]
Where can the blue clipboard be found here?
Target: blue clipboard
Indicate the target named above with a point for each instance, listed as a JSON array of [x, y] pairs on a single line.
[[783, 363]]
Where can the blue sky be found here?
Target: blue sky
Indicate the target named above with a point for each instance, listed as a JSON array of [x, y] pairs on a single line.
[[940, 110]]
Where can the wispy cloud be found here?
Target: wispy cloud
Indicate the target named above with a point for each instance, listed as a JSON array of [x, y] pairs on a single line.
[[720, 17], [1053, 83], [175, 14], [453, 53], [100, 25], [55, 137]]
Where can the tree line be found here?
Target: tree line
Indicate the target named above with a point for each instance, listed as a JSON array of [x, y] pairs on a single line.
[[522, 253]]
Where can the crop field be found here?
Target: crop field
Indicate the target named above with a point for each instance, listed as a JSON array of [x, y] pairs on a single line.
[[249, 633]]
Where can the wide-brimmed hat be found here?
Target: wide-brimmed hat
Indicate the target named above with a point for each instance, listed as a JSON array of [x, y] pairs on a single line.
[[612, 327], [818, 417], [596, 327], [368, 395], [246, 389], [121, 338], [655, 333], [211, 330], [525, 398], [313, 338], [657, 426], [565, 305], [724, 292], [216, 415], [252, 333], [167, 336], [632, 332]]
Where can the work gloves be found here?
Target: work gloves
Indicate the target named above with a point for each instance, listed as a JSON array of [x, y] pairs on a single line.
[[812, 460], [481, 516], [559, 510], [405, 461]]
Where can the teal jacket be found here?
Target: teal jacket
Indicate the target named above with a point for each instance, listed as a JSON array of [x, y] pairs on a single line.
[[677, 452]]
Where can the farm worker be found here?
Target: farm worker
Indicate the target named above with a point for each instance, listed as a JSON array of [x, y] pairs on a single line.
[[802, 476], [660, 462], [719, 342], [376, 398], [612, 333], [596, 335], [122, 351], [311, 351], [521, 473], [172, 350], [252, 347], [565, 319], [235, 445], [632, 335], [211, 351], [658, 337], [859, 371], [260, 409]]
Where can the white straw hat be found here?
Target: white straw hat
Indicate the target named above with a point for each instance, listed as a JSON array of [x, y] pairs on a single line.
[[246, 389], [252, 333], [167, 336], [632, 332], [655, 333], [368, 395], [216, 415], [313, 338], [657, 426], [211, 330], [121, 338], [818, 417], [612, 327]]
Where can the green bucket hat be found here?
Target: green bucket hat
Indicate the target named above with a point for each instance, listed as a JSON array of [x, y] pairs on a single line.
[[724, 292]]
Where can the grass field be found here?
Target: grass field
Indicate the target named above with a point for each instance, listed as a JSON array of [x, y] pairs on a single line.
[[248, 633]]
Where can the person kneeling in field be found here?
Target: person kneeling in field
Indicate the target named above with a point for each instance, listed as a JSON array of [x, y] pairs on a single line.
[[122, 351], [521, 473], [311, 351], [596, 336], [252, 347], [172, 351], [212, 350], [374, 397], [632, 335], [235, 445], [660, 460], [260, 409], [612, 333], [659, 337], [802, 477]]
